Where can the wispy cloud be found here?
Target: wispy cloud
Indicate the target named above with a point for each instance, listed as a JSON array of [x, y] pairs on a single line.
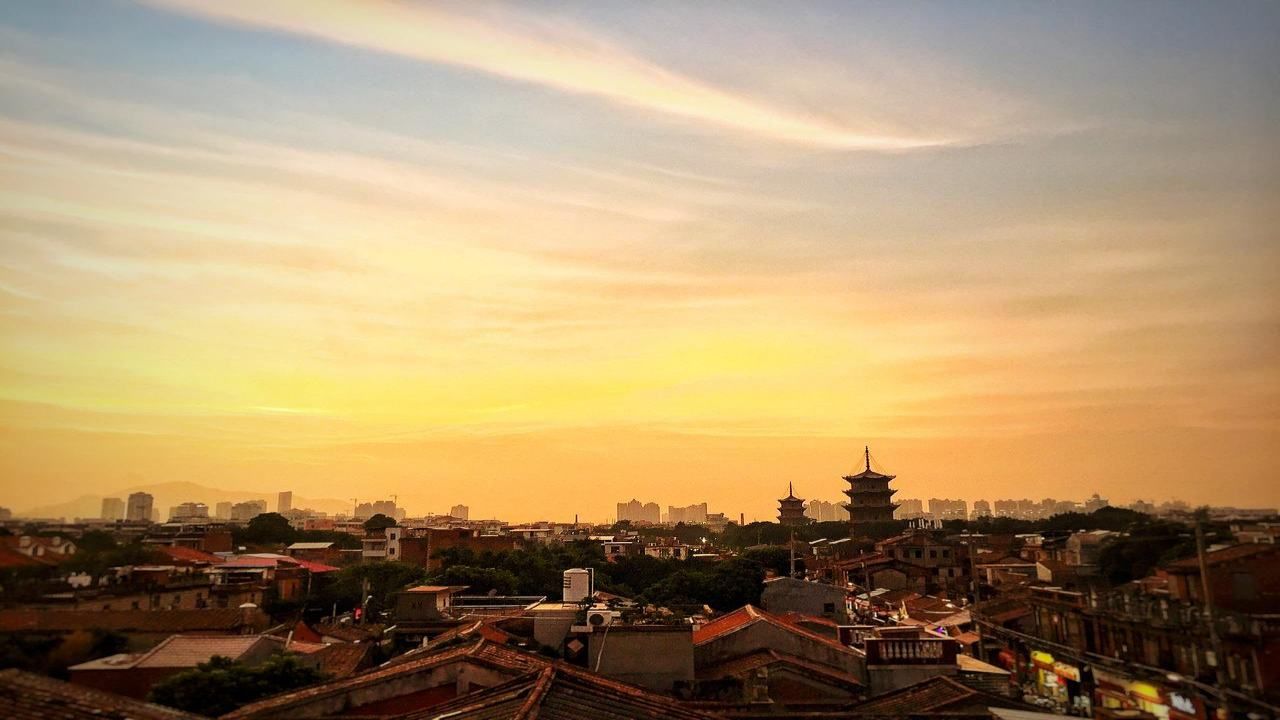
[[552, 55]]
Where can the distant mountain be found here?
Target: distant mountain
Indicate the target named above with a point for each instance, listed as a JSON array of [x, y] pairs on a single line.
[[169, 494]]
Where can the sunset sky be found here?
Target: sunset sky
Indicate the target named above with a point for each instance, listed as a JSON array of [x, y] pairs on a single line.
[[542, 258]]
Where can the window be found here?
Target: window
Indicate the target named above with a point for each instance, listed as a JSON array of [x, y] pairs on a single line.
[[828, 608], [391, 551], [933, 554]]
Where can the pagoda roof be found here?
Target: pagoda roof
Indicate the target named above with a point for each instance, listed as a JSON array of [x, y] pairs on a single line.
[[869, 475], [791, 494]]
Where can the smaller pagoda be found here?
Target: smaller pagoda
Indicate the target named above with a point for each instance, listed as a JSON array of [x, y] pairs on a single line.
[[791, 509]]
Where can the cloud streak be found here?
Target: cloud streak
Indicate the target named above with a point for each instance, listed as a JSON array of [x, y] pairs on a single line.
[[557, 57]]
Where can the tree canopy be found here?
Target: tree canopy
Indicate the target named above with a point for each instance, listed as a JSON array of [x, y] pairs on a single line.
[[221, 685]]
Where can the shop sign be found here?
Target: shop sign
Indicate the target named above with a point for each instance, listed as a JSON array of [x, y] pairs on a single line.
[[1110, 681], [1069, 672], [1042, 660], [1146, 691], [1182, 703]]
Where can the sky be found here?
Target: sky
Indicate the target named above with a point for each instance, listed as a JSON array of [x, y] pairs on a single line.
[[542, 258]]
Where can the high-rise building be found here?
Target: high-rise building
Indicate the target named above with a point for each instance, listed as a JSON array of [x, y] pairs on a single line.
[[222, 511], [284, 502], [689, 514], [636, 511], [943, 509], [981, 509], [870, 497], [791, 509], [366, 510], [112, 509], [909, 510], [248, 510], [823, 511], [462, 512], [139, 507], [189, 511]]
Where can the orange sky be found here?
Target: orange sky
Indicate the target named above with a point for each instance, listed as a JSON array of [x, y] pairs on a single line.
[[542, 264]]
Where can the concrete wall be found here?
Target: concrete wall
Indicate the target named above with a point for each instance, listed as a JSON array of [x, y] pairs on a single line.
[[654, 657], [789, 595], [883, 678]]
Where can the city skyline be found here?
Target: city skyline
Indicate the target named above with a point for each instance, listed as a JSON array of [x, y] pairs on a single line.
[[517, 259]]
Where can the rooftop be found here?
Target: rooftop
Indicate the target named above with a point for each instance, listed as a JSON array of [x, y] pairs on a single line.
[[26, 696], [562, 692]]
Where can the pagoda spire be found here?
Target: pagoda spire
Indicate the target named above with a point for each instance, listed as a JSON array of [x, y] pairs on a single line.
[[867, 451], [791, 492]]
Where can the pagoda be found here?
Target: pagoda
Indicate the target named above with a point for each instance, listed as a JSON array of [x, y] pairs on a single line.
[[791, 509], [869, 495]]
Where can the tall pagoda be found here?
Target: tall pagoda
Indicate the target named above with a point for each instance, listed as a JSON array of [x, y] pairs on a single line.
[[791, 509], [869, 495]]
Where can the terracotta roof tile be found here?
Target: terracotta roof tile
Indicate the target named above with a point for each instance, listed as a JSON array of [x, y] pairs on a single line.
[[25, 696], [483, 652], [929, 695], [1225, 555], [562, 692]]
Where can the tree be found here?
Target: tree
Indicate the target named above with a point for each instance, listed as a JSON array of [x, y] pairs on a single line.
[[267, 528], [221, 685], [378, 522], [480, 580], [384, 578]]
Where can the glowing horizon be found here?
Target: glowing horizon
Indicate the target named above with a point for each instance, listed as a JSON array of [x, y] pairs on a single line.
[[531, 261]]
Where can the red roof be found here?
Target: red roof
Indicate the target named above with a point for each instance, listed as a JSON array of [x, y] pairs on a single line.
[[191, 556], [750, 615], [14, 559], [26, 696], [1224, 555]]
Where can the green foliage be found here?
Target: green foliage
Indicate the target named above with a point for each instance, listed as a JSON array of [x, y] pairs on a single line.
[[266, 529], [95, 541], [1145, 548], [219, 686], [96, 561], [727, 585], [384, 580], [378, 523], [774, 557], [480, 580]]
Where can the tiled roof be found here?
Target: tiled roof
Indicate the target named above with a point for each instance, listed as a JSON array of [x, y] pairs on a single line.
[[749, 615], [736, 667], [311, 546], [340, 660], [1225, 555], [25, 696], [14, 559], [349, 633], [561, 692], [483, 652], [189, 555], [191, 650], [168, 621], [934, 694]]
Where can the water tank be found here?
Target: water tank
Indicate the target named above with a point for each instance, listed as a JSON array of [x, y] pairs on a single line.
[[578, 584]]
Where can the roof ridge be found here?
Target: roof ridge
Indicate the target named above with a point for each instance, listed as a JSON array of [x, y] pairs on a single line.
[[529, 709]]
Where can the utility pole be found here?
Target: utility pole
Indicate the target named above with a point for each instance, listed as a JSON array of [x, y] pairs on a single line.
[[792, 545], [1224, 709]]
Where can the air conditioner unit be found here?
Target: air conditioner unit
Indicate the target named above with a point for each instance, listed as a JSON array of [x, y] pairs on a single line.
[[600, 618]]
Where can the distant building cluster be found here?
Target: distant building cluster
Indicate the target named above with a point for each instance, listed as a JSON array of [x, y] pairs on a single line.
[[823, 511], [638, 512]]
